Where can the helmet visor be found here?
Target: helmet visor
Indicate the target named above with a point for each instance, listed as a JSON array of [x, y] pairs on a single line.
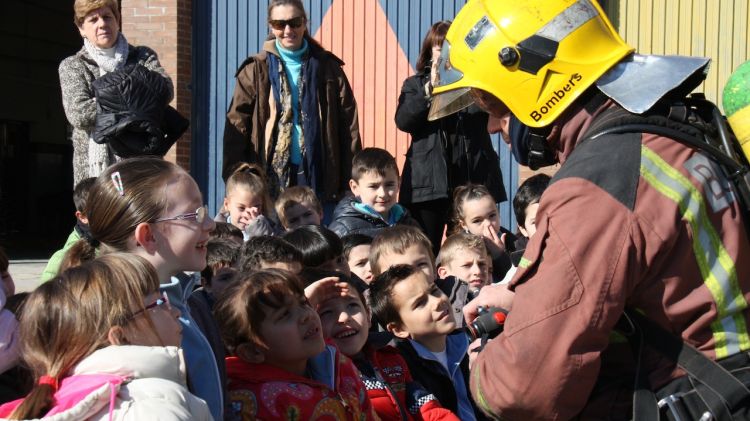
[[453, 101], [446, 74], [450, 102]]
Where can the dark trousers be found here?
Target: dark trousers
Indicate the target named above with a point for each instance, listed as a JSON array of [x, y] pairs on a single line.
[[433, 216]]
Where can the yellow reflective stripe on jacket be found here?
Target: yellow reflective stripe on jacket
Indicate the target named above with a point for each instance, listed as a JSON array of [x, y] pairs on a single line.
[[524, 263], [479, 398], [716, 266]]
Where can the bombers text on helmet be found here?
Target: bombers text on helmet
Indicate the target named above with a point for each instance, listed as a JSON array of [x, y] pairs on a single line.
[[536, 56]]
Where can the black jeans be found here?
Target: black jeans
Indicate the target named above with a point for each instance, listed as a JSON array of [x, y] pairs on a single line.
[[433, 216]]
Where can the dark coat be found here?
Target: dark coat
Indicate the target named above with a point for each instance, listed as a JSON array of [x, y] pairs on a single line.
[[446, 153], [348, 220], [133, 115], [432, 376], [251, 120]]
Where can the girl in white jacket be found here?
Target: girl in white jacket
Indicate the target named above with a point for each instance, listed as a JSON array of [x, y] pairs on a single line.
[[103, 345]]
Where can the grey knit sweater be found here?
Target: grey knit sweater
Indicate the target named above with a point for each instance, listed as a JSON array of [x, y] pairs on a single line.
[[77, 73]]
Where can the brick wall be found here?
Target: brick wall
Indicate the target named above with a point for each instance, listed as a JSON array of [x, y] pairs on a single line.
[[165, 27]]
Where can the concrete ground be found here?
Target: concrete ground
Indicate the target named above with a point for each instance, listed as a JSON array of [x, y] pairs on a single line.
[[26, 273]]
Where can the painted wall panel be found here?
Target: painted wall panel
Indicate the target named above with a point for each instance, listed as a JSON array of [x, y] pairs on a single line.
[[379, 40]]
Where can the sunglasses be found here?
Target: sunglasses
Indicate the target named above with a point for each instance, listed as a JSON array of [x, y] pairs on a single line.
[[198, 216], [157, 303], [281, 24]]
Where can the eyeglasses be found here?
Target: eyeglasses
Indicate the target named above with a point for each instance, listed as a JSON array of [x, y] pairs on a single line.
[[281, 24], [157, 303], [198, 216]]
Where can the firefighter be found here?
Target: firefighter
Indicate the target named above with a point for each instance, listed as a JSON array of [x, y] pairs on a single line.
[[637, 219]]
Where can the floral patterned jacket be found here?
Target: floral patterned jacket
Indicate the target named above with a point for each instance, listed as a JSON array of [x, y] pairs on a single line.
[[334, 393]]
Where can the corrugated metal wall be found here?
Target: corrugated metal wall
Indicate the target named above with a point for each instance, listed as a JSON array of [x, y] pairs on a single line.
[[378, 39], [709, 28]]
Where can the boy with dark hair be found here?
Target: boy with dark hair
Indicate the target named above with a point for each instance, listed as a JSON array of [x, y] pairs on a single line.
[[410, 246], [81, 229], [221, 254], [525, 205], [297, 206], [229, 231], [418, 313], [357, 255], [265, 252], [320, 248], [374, 184]]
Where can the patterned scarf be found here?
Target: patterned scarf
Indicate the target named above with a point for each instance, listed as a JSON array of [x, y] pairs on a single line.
[[106, 63], [280, 164], [279, 172]]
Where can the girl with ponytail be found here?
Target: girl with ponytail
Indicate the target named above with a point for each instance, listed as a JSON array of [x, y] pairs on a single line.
[[475, 212], [103, 344], [154, 209], [247, 203]]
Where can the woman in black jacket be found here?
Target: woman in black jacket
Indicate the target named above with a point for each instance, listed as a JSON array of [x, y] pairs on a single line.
[[444, 153]]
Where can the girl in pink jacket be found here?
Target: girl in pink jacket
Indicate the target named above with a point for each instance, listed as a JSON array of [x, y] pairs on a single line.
[[103, 345]]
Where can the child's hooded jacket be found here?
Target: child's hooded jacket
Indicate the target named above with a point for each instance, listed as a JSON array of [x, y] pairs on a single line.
[[334, 390], [392, 391], [125, 383]]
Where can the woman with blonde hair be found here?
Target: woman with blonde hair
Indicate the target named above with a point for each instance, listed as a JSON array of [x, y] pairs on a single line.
[[103, 344], [104, 50]]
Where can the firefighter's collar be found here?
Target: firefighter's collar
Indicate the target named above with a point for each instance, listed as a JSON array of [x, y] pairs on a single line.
[[639, 81]]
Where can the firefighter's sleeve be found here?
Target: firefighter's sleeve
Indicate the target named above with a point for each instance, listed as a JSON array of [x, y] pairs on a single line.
[[569, 290]]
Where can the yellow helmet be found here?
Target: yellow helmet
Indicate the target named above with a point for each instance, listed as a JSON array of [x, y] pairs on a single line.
[[536, 56]]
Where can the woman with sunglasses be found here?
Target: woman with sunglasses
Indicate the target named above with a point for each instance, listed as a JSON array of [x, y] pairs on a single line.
[[103, 343], [154, 209], [293, 111]]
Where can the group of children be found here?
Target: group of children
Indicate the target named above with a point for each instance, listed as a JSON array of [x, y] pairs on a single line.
[[268, 315]]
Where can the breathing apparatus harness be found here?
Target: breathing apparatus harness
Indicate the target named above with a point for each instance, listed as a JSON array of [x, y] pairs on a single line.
[[713, 391], [710, 134]]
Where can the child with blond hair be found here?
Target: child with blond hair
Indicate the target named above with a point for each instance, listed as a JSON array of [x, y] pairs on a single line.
[[103, 343], [465, 257], [297, 206], [247, 203]]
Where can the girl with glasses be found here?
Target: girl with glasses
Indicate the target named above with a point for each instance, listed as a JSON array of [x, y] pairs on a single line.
[[103, 344], [293, 111], [154, 209]]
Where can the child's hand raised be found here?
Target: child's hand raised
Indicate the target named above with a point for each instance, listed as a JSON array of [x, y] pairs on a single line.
[[322, 290], [495, 244], [250, 215]]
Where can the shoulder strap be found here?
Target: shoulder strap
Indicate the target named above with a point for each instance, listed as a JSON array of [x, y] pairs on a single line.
[[674, 121], [720, 390]]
